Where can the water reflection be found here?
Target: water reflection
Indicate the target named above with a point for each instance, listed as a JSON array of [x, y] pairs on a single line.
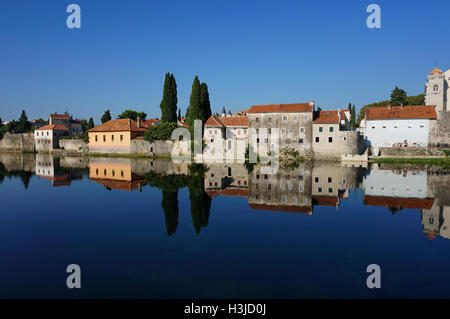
[[300, 190]]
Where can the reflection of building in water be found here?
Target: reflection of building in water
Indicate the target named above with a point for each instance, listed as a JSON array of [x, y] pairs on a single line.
[[331, 182], [288, 191], [226, 180], [48, 167], [115, 175], [400, 189]]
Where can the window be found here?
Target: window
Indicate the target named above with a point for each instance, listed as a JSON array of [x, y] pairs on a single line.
[[435, 88], [282, 187], [47, 133], [300, 141], [257, 120], [285, 118], [284, 199], [331, 129], [302, 130], [113, 173], [269, 187], [104, 138], [422, 125], [291, 131], [212, 140], [96, 171], [96, 138], [305, 117], [104, 172], [121, 173], [316, 179], [319, 189], [215, 131], [373, 125], [239, 132], [330, 180], [245, 132], [210, 132], [384, 125], [269, 120], [301, 188], [330, 190], [283, 131], [112, 138], [320, 129], [330, 140], [345, 138], [269, 131], [409, 125], [317, 140], [295, 118], [300, 177], [121, 138]]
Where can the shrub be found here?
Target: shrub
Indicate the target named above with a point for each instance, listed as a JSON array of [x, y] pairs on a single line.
[[160, 132]]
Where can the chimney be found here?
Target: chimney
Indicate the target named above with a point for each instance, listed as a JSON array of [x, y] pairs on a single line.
[[139, 122]]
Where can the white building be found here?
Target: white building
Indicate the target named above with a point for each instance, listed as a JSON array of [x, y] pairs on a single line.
[[437, 89], [47, 137], [227, 129], [398, 125]]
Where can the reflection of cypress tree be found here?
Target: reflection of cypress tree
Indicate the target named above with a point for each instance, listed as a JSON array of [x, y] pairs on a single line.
[[169, 205], [200, 201], [25, 177]]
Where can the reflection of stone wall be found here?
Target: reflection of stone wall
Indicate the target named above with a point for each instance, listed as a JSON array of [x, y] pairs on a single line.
[[439, 186], [18, 161], [285, 190], [440, 130], [18, 142]]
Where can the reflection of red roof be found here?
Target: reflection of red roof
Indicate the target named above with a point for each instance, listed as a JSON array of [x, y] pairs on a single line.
[[239, 192], [281, 208], [282, 108], [327, 117], [401, 112], [58, 127], [325, 200], [120, 185], [399, 202], [431, 236], [239, 121]]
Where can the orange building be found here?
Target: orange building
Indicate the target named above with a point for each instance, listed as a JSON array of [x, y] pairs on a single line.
[[114, 136]]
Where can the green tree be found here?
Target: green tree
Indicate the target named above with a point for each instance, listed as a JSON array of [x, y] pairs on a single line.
[[169, 100], [353, 116], [179, 114], [195, 107], [319, 109], [160, 132], [106, 116], [204, 102], [169, 205], [398, 97], [24, 125], [133, 115], [90, 123]]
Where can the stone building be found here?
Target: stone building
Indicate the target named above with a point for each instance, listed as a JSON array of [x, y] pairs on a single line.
[[114, 136], [46, 138], [294, 122], [331, 138], [73, 126], [437, 89], [227, 129]]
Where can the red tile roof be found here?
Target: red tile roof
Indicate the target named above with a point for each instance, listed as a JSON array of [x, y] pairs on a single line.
[[401, 112], [58, 127], [282, 108], [120, 125], [436, 70], [237, 121], [60, 116], [327, 117], [399, 202], [281, 208], [150, 122]]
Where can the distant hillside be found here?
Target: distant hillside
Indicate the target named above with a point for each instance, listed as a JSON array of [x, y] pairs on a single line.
[[411, 100]]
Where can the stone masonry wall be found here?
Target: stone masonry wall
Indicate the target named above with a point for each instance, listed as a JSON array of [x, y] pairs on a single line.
[[18, 142]]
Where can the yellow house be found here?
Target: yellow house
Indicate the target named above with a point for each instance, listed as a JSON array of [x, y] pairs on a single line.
[[114, 136]]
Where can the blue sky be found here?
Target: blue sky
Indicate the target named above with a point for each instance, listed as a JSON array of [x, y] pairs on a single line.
[[248, 52]]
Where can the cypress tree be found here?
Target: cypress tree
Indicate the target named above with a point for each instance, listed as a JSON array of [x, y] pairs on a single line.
[[169, 100], [106, 116], [353, 116], [205, 103], [179, 114], [90, 123], [195, 108], [24, 125]]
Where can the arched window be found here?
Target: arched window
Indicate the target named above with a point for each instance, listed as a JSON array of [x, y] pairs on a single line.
[[435, 88]]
